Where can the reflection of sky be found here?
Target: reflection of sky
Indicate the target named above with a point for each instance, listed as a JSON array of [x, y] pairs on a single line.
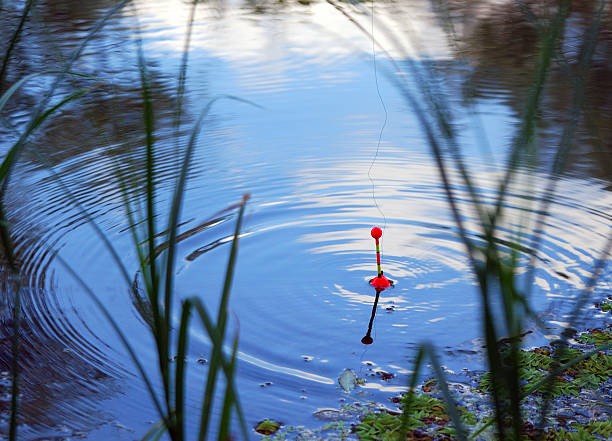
[[316, 33], [275, 49], [419, 228]]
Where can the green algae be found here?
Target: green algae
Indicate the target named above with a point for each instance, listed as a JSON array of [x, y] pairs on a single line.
[[427, 418], [536, 365]]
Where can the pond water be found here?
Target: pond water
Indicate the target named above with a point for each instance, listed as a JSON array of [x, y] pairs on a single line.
[[333, 150]]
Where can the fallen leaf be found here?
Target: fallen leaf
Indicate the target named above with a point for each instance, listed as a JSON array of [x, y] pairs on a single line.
[[347, 380]]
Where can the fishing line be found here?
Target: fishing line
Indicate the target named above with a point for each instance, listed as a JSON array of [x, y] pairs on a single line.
[[380, 135], [382, 129]]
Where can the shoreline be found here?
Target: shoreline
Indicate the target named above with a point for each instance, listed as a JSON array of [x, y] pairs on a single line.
[[581, 406]]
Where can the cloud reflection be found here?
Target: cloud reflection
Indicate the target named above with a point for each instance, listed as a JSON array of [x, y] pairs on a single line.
[[421, 247], [246, 33]]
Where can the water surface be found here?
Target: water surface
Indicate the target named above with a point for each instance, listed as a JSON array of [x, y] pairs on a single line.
[[321, 174]]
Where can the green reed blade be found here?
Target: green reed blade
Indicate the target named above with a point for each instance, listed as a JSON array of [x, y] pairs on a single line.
[[182, 77], [180, 374], [162, 325], [156, 432], [178, 197], [568, 136], [525, 136], [451, 406], [209, 390], [7, 164], [215, 336], [150, 188], [228, 400], [15, 37], [61, 74], [175, 212], [405, 417], [6, 96], [128, 206], [122, 336], [426, 350], [440, 129]]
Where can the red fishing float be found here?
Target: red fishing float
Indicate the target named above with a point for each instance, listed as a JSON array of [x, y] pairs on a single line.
[[379, 282]]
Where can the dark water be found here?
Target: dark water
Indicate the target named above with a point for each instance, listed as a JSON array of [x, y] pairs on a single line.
[[319, 180]]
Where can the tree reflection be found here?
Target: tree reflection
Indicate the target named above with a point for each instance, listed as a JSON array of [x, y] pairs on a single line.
[[500, 42], [64, 375]]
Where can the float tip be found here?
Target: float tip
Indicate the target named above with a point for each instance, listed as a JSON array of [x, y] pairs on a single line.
[[376, 233]]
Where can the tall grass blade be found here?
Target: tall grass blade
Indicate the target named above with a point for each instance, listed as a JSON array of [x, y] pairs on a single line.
[[159, 275], [8, 249], [525, 136], [426, 350], [6, 96], [122, 336], [217, 350], [215, 337], [160, 316], [568, 136], [225, 422], [451, 407], [182, 78], [12, 155], [14, 39], [405, 417], [178, 197], [495, 273], [168, 263], [180, 375], [563, 343], [156, 432], [36, 114]]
